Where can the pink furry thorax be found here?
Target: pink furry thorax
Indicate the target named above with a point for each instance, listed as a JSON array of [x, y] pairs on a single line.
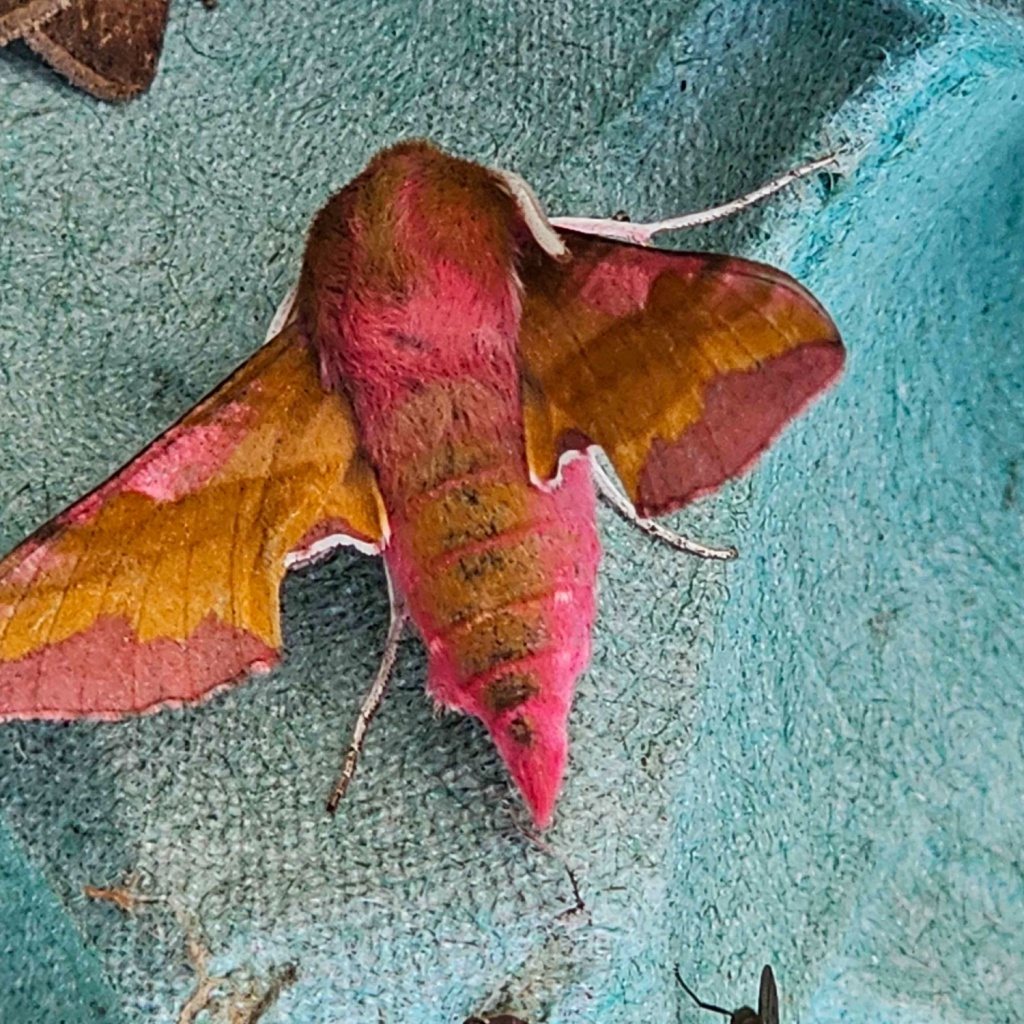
[[444, 331]]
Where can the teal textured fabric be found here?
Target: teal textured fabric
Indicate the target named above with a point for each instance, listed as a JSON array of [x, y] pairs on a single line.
[[812, 757]]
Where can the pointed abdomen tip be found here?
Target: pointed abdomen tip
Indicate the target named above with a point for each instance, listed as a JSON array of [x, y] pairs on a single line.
[[536, 753]]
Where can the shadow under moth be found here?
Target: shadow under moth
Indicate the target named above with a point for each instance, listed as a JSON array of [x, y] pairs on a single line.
[[448, 361], [110, 48], [767, 1002]]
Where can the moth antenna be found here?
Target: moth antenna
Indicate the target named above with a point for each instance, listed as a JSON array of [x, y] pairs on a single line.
[[693, 995], [533, 213], [643, 234], [618, 501], [283, 314], [372, 701]]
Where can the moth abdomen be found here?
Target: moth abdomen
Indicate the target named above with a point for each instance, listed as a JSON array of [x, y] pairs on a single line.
[[498, 575], [480, 577], [499, 639]]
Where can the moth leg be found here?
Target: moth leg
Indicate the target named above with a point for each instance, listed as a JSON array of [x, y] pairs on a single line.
[[618, 501], [643, 234], [372, 701]]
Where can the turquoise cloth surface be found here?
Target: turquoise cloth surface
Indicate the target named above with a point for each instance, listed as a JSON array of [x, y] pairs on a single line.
[[812, 757]]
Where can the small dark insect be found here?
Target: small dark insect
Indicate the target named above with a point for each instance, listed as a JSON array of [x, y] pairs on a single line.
[[682, 85], [767, 1002], [500, 1018]]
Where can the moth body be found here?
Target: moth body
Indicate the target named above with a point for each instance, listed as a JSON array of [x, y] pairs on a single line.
[[498, 574]]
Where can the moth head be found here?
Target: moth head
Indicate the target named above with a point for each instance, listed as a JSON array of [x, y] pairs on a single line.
[[415, 207]]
